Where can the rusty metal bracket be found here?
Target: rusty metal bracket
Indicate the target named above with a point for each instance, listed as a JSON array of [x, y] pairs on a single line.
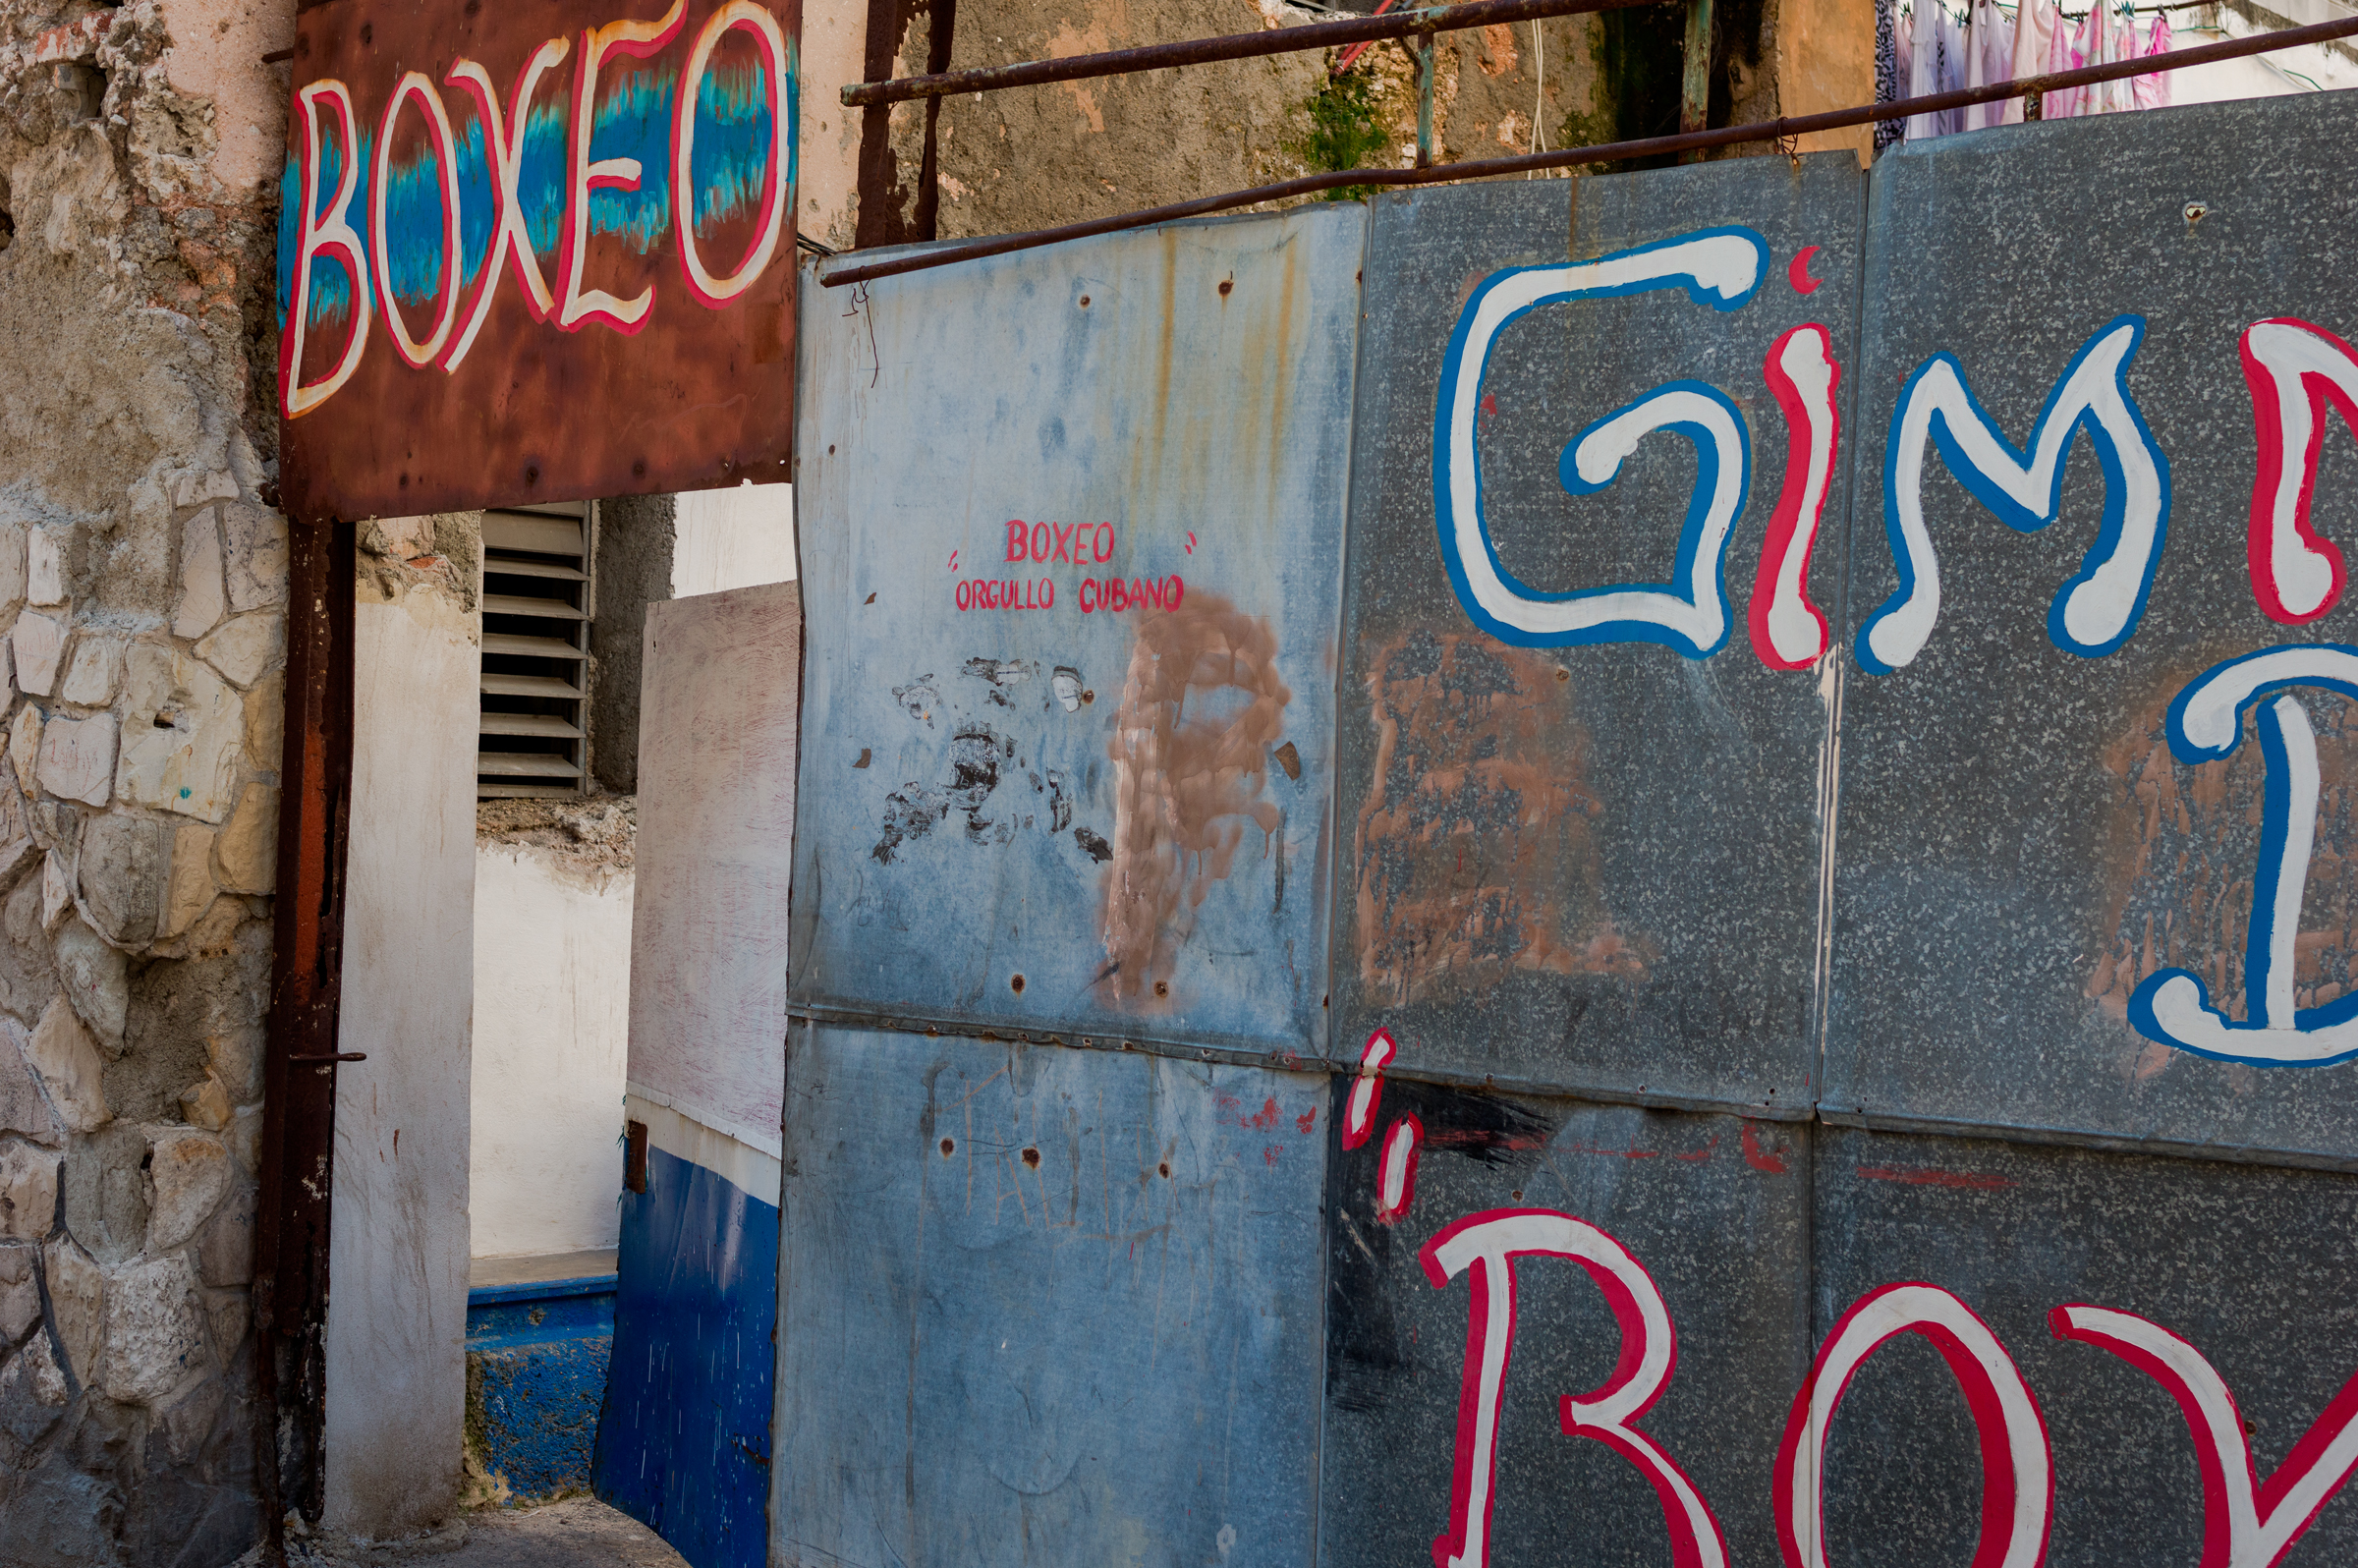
[[1607, 152]]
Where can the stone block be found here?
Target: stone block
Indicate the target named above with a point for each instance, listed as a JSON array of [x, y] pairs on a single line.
[[96, 979], [76, 1305], [154, 1332], [201, 485], [225, 1246], [254, 541], [34, 1372], [248, 851], [38, 643], [182, 734], [205, 1104], [24, 1109], [48, 578], [70, 1067], [189, 1170], [92, 672], [12, 566], [203, 602], [20, 1291], [57, 892], [24, 744], [27, 1192], [78, 757], [242, 648], [245, 1138], [230, 1315], [16, 843], [121, 869], [106, 1193], [190, 887], [235, 1053], [267, 722]]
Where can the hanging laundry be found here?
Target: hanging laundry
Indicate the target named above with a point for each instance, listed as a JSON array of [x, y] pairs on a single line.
[[2153, 92], [2121, 44], [1990, 42], [2034, 35], [1888, 52], [1953, 64], [1923, 66], [2068, 51]]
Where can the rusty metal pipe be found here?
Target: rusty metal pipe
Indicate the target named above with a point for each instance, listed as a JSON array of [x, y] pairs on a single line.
[[1231, 46], [1608, 153]]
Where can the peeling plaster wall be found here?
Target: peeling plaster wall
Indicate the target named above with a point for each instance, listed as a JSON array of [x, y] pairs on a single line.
[[143, 581], [1039, 156]]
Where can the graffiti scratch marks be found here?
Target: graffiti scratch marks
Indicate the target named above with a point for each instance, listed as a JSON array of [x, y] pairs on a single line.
[[1201, 708], [1475, 846]]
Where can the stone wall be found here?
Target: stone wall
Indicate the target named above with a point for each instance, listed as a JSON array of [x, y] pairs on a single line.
[[143, 582]]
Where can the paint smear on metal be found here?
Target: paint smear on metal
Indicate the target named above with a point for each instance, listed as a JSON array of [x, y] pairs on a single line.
[[1201, 707], [1478, 745]]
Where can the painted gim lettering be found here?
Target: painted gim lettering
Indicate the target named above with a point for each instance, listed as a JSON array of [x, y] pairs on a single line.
[[1113, 593], [503, 145], [1043, 544], [579, 306], [329, 233]]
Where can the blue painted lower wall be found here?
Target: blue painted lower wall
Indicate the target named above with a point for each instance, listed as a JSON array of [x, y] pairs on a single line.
[[682, 1444], [536, 1369]]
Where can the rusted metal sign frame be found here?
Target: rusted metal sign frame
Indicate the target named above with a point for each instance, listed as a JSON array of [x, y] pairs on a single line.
[[483, 305]]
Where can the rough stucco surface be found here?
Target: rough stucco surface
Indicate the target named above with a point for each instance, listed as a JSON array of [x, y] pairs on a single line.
[[143, 582]]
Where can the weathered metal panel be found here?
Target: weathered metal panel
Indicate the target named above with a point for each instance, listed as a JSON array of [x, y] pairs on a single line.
[[2020, 850], [1581, 859], [1715, 1210], [2251, 1267], [483, 303], [1088, 792], [1045, 1305]]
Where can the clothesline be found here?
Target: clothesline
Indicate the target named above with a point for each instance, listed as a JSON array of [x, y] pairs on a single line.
[[1926, 49]]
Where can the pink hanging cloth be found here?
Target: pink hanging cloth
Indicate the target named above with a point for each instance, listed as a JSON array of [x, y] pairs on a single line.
[[2034, 35], [2153, 92], [2067, 50]]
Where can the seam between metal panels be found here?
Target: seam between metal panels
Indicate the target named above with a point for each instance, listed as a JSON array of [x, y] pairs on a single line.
[[1285, 1061], [2082, 1138]]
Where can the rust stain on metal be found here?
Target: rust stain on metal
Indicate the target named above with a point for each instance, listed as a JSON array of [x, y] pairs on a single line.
[[2185, 842], [1193, 764], [1475, 847]]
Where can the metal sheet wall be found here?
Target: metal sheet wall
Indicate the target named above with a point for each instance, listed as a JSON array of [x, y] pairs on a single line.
[[1607, 1267]]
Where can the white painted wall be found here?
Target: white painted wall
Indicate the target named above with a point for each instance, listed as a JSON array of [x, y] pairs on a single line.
[[732, 538], [717, 711], [397, 1314], [552, 996]]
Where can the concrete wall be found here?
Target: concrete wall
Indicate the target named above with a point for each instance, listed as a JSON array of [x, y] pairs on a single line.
[[397, 1309], [553, 968], [143, 580]]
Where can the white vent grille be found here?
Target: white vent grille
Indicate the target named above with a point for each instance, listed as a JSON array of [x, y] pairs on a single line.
[[536, 607]]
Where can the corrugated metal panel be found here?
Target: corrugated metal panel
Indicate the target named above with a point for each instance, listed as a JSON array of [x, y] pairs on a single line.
[[1044, 1305], [1087, 793], [1583, 866], [2020, 850]]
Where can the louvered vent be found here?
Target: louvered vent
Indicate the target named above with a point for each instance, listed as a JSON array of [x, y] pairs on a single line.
[[537, 608]]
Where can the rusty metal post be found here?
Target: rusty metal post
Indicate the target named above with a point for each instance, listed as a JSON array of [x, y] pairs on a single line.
[[1425, 73], [1695, 77], [298, 1073]]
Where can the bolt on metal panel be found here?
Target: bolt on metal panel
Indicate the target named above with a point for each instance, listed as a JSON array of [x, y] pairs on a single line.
[[1587, 856], [2026, 850], [2249, 1266], [1712, 1211], [1072, 542], [1039, 1304]]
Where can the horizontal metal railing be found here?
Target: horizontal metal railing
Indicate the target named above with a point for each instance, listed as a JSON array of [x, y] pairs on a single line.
[[1607, 152], [1231, 46]]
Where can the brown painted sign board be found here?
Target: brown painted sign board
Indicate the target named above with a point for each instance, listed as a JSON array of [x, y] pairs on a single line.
[[536, 252]]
